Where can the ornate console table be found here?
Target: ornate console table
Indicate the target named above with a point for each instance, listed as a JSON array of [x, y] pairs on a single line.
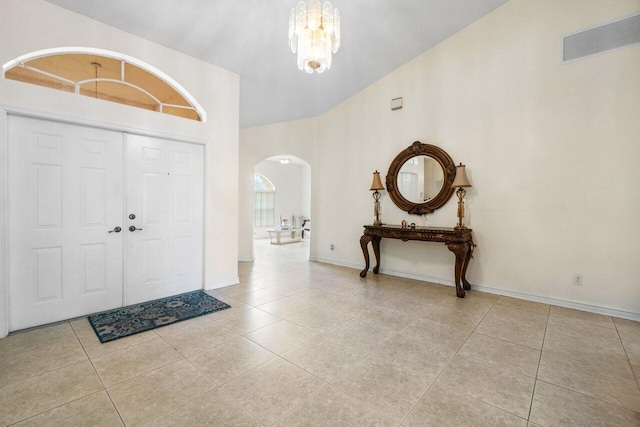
[[458, 241]]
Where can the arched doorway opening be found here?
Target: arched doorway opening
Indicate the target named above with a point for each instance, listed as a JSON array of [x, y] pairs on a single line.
[[282, 208]]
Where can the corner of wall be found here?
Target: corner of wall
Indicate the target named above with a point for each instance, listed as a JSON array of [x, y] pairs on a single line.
[[221, 282], [4, 287]]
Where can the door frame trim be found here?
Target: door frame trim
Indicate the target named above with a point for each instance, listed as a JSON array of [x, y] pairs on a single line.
[[5, 111]]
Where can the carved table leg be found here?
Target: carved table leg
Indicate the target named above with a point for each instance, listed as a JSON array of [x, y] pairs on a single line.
[[364, 241], [376, 251], [467, 258], [460, 250]]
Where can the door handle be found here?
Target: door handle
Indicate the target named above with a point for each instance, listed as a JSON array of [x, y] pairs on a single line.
[[133, 228], [116, 230]]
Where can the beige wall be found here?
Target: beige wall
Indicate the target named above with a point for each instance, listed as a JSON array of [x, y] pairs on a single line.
[[531, 130], [31, 25]]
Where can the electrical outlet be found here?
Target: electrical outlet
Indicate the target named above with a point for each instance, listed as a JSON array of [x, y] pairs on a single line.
[[331, 246], [577, 279]]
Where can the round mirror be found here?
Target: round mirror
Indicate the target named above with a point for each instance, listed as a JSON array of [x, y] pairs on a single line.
[[420, 177]]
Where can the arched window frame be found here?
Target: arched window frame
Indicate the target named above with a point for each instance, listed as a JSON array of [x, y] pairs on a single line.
[[264, 203], [21, 60]]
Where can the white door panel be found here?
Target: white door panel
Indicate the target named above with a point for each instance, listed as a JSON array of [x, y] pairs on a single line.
[[65, 194], [164, 190]]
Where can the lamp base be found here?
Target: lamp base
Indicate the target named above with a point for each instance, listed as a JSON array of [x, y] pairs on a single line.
[[376, 208], [460, 193]]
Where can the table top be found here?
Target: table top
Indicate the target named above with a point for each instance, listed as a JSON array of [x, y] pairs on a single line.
[[409, 228], [284, 229], [431, 234]]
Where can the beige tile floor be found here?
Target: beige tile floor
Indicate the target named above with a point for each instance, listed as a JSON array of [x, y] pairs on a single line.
[[310, 344]]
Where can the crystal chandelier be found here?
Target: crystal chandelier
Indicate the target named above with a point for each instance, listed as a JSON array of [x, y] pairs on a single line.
[[314, 33]]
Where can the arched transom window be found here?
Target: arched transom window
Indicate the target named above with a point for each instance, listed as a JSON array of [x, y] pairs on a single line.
[[105, 75]]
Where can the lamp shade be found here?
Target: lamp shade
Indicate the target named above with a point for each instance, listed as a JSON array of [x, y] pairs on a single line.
[[461, 179], [376, 184]]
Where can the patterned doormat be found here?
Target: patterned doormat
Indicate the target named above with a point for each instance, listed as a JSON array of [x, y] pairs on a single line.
[[122, 322]]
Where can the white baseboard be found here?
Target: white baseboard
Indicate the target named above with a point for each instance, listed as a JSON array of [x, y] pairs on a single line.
[[335, 262], [563, 303], [221, 283], [246, 259], [552, 301]]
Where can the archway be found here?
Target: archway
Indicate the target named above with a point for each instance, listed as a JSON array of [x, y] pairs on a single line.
[[281, 207]]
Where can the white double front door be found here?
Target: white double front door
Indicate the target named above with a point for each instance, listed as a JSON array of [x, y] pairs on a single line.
[[74, 194]]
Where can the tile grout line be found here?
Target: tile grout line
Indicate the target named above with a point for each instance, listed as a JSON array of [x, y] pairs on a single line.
[[589, 396], [42, 373], [508, 342], [379, 346], [156, 369], [98, 376], [183, 357], [61, 367], [345, 371], [60, 406], [354, 397], [580, 392], [286, 414], [220, 386], [447, 366], [142, 373], [287, 361], [535, 382], [217, 386], [245, 410], [635, 376]]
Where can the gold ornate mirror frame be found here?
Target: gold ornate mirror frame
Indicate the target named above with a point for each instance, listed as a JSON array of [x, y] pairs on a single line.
[[448, 169]]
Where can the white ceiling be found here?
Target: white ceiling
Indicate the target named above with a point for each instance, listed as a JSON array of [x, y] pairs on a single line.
[[249, 37]]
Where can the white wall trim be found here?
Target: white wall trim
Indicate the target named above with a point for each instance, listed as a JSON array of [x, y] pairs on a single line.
[[545, 300], [221, 283], [563, 303], [246, 259], [4, 211], [18, 111]]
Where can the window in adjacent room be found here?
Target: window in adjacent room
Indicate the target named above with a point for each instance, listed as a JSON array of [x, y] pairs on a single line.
[[105, 75], [265, 201]]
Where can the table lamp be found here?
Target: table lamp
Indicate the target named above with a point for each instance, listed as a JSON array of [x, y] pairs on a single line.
[[376, 185], [460, 182]]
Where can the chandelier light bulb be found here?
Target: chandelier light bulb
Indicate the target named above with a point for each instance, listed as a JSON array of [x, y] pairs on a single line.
[[314, 34]]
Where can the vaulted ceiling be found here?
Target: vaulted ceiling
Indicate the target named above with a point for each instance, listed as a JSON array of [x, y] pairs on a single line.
[[249, 37]]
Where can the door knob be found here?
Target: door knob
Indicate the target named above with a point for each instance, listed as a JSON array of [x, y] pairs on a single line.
[[133, 228], [116, 230]]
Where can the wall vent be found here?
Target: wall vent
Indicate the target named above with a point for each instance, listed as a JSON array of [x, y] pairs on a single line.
[[603, 38]]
